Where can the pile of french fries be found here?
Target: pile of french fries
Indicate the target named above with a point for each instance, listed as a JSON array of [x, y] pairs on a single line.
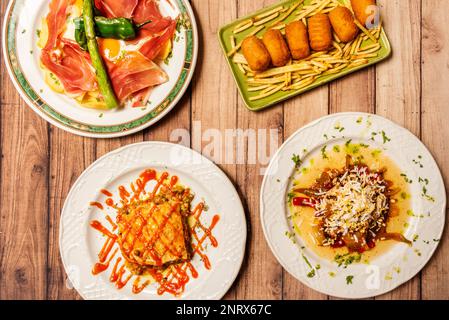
[[300, 74]]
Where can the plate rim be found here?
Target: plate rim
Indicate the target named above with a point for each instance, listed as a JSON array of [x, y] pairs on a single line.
[[91, 134], [173, 145], [287, 268]]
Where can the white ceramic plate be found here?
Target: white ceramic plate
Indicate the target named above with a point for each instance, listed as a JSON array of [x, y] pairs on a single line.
[[387, 271], [22, 56], [80, 243]]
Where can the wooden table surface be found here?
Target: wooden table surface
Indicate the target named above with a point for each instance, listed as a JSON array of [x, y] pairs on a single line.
[[39, 162]]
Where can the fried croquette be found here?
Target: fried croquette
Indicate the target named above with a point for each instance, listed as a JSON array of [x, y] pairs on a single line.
[[320, 32], [297, 39], [277, 47], [256, 54], [366, 12], [343, 24]]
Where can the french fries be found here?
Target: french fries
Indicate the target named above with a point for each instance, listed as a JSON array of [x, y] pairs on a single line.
[[299, 74]]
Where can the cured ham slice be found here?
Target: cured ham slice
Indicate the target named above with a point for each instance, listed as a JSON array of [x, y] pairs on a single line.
[[134, 73], [71, 66], [117, 9], [64, 58], [147, 10], [153, 43]]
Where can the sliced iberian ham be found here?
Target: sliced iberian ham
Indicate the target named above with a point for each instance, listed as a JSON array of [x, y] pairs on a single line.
[[64, 58], [117, 8], [134, 75]]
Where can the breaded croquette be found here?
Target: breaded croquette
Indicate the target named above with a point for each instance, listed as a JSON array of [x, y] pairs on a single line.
[[276, 46], [298, 40], [366, 12], [256, 54], [343, 24], [320, 32]]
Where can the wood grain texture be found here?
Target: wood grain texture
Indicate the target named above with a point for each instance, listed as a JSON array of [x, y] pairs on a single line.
[[39, 163], [214, 105], [435, 119], [69, 157], [398, 85], [24, 206], [262, 276]]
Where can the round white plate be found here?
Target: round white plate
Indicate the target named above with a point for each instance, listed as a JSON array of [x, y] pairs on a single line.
[[22, 56], [385, 272], [79, 243]]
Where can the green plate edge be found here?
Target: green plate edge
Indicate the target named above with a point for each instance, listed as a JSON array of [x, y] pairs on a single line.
[[224, 35]]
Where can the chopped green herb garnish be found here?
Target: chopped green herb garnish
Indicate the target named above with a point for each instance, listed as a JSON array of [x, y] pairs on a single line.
[[307, 261], [384, 137], [347, 259], [297, 160], [349, 279], [406, 179], [323, 152], [347, 143]]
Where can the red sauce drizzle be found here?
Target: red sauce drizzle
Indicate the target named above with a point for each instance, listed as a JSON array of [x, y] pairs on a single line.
[[110, 202], [106, 193], [97, 204], [171, 280]]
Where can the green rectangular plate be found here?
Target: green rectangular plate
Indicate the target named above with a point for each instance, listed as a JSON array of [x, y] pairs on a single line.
[[225, 36]]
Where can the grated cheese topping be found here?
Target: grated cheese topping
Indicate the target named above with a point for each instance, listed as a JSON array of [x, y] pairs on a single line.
[[357, 203]]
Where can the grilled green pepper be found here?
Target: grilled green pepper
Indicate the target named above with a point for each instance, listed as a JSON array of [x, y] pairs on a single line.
[[116, 28]]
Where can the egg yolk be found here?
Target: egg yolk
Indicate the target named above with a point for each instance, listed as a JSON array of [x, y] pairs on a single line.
[[111, 48]]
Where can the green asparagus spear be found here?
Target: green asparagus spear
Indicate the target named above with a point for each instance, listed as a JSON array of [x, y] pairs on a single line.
[[97, 61]]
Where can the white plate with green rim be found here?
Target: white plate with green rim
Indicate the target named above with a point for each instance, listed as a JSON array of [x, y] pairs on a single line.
[[21, 22], [422, 194]]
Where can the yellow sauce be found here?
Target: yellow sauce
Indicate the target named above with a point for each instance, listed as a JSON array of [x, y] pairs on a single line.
[[303, 217]]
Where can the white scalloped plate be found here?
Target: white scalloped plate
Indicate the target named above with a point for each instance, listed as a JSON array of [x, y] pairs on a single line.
[[387, 271], [79, 243]]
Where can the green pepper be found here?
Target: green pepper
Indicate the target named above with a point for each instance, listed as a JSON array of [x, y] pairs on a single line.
[[116, 28], [80, 33]]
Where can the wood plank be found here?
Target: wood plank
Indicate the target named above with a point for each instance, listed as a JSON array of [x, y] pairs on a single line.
[[398, 86], [297, 113], [354, 93], [435, 77], [69, 156], [174, 124], [104, 146], [214, 92], [24, 205], [262, 274]]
